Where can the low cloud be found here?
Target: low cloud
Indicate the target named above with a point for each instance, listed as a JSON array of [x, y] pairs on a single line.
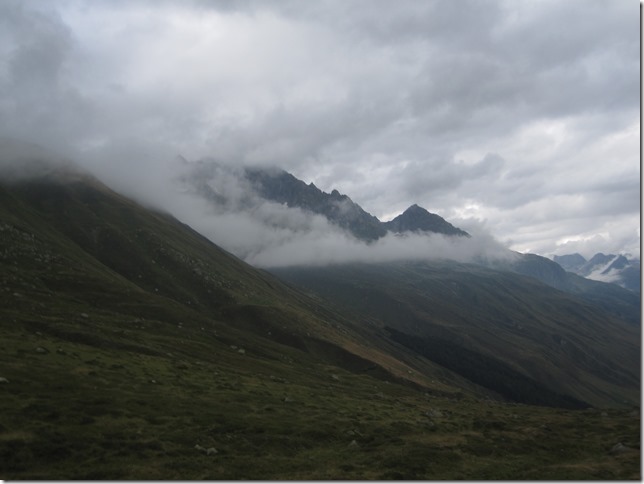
[[220, 203], [332, 248], [493, 109], [20, 161]]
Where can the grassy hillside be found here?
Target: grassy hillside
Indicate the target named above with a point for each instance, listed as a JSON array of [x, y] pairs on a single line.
[[509, 327], [133, 348]]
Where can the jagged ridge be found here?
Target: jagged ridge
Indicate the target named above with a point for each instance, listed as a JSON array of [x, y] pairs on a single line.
[[279, 186], [616, 269]]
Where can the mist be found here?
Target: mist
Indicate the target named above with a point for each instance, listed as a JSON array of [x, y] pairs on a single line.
[[532, 125], [324, 249], [217, 201]]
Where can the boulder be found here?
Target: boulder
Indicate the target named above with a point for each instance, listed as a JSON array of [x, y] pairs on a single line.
[[434, 413], [208, 451], [619, 448]]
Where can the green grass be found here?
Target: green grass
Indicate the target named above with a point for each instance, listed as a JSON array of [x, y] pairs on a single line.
[[79, 412], [98, 411]]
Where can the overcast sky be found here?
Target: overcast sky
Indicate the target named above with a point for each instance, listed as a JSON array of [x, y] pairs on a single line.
[[520, 115]]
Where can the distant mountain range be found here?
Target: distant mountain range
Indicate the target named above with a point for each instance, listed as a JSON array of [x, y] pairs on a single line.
[[213, 181], [617, 269]]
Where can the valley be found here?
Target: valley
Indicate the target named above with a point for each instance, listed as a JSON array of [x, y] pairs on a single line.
[[320, 240]]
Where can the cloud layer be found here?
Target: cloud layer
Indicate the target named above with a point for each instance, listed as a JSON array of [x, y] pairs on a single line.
[[228, 210], [522, 116]]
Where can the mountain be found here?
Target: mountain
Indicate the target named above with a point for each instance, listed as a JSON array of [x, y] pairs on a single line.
[[213, 182], [417, 219], [76, 239], [279, 186], [615, 300], [509, 333], [616, 269], [570, 262], [130, 342], [135, 348], [282, 187]]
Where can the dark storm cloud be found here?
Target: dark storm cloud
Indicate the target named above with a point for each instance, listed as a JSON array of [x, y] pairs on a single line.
[[484, 110]]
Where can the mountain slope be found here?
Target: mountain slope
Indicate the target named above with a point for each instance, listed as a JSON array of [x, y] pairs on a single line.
[[616, 301], [125, 333], [152, 257], [509, 323]]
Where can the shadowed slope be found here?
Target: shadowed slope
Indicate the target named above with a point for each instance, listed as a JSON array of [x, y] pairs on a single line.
[[567, 344]]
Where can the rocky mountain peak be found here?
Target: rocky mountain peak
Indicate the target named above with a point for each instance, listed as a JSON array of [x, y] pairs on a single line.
[[418, 219], [280, 186]]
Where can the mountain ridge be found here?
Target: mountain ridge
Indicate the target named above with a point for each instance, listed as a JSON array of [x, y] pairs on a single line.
[[616, 269], [279, 186]]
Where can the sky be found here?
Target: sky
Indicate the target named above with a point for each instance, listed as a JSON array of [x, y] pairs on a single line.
[[521, 117]]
